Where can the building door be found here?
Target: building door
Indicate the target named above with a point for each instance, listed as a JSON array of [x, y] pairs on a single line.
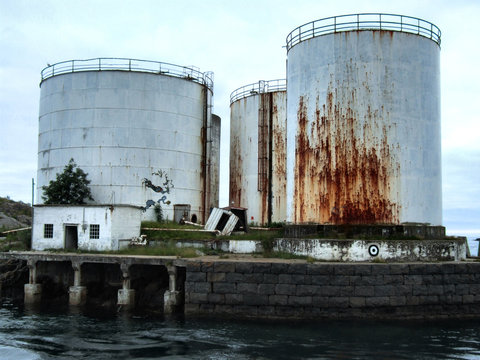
[[71, 237]]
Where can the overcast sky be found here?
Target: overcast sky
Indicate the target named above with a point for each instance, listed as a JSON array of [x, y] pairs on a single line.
[[241, 42]]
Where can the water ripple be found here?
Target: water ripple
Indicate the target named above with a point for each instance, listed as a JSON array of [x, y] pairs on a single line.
[[63, 335]]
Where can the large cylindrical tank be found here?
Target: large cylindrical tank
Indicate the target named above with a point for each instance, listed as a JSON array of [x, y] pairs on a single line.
[[257, 150], [134, 126], [363, 112]]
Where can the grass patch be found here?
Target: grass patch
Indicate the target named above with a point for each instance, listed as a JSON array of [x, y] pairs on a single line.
[[254, 235], [178, 234], [287, 256], [156, 235], [163, 249], [175, 234], [214, 252], [168, 225]]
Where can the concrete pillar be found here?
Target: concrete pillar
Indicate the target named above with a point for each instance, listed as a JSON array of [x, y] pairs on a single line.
[[77, 294], [32, 290], [172, 297], [126, 296]]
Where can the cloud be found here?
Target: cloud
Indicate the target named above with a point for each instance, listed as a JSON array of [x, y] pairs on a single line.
[[242, 42]]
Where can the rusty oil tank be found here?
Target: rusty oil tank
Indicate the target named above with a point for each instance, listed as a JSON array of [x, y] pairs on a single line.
[[257, 150], [363, 121]]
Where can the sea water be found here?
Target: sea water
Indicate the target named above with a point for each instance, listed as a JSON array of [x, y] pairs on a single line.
[[60, 333], [53, 332]]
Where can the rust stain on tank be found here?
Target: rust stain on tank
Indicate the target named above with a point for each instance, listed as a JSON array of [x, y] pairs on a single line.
[[344, 167], [236, 172], [279, 151]]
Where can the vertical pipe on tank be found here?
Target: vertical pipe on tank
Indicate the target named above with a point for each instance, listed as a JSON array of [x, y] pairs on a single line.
[[204, 155], [207, 153], [270, 156], [214, 159], [264, 178]]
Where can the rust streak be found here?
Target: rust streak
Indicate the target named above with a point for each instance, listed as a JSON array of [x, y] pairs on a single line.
[[236, 171], [344, 166]]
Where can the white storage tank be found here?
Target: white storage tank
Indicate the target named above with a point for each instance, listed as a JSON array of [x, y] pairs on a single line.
[[134, 126], [363, 112], [257, 150]]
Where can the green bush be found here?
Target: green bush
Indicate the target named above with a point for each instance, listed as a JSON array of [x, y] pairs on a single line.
[[69, 187], [158, 212]]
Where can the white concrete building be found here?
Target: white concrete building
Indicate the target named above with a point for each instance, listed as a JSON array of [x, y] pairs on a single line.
[[86, 227]]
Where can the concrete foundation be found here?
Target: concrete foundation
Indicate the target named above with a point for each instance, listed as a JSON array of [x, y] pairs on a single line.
[[33, 293], [418, 231], [172, 301], [77, 295], [126, 298]]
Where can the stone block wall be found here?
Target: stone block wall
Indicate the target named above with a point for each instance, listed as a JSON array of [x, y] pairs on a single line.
[[332, 290]]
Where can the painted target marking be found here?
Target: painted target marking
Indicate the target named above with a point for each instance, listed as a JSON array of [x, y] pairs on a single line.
[[373, 250]]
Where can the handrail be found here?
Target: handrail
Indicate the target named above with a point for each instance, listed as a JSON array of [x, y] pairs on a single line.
[[262, 86], [125, 64], [365, 21]]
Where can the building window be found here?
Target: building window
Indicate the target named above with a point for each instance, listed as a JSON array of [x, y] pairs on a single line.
[[94, 231], [48, 231]]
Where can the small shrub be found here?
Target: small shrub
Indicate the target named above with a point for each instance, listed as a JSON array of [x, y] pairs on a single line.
[[213, 252], [276, 224], [158, 212], [267, 245]]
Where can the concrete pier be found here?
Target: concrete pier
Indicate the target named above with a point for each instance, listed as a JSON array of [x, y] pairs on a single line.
[[126, 295], [77, 294], [85, 267], [33, 293], [172, 297], [32, 290]]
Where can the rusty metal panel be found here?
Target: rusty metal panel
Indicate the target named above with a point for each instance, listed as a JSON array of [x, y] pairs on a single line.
[[213, 219], [221, 220], [363, 141], [230, 225]]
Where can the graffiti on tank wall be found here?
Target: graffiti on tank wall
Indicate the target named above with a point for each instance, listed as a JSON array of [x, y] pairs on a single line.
[[164, 189]]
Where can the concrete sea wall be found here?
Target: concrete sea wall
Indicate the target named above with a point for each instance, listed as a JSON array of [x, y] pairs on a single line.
[[246, 287], [349, 250], [273, 289]]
